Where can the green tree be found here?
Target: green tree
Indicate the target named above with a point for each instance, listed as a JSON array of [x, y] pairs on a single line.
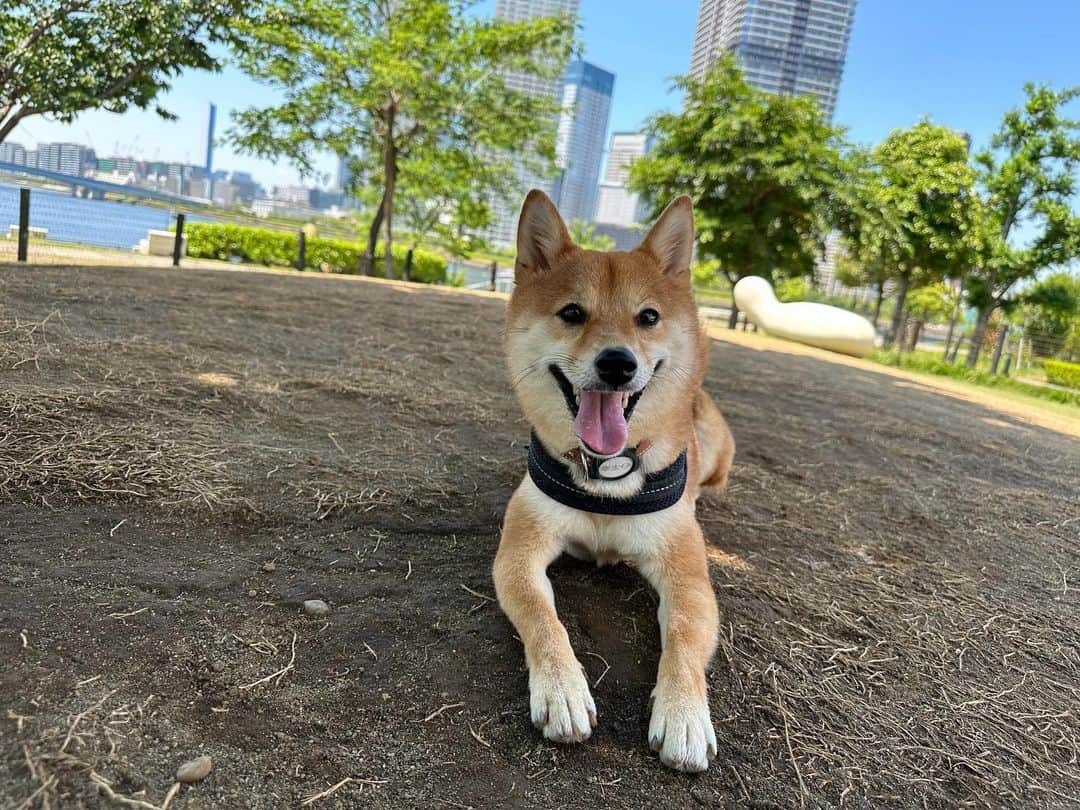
[[932, 303], [584, 234], [1051, 310], [917, 223], [764, 171], [404, 90], [1027, 177], [439, 205], [61, 57]]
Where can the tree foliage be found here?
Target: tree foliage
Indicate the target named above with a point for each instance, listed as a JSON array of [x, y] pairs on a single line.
[[1051, 309], [765, 172], [915, 224], [584, 234], [413, 93], [61, 57], [1028, 181]]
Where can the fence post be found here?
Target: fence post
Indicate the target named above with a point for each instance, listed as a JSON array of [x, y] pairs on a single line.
[[24, 223], [301, 250], [178, 243], [494, 271]]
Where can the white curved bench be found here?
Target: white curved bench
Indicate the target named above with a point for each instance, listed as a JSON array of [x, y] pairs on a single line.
[[818, 325]]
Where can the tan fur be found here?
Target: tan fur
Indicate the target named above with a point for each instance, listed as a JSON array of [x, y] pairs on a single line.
[[673, 414]]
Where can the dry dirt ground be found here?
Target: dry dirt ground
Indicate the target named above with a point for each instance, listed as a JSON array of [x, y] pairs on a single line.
[[186, 456]]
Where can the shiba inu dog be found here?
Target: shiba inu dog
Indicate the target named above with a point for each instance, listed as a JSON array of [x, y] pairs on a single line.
[[607, 356]]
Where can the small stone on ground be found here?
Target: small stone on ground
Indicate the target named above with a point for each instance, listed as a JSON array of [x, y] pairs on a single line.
[[194, 771]]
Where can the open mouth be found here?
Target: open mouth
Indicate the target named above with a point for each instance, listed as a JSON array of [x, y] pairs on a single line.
[[600, 417]]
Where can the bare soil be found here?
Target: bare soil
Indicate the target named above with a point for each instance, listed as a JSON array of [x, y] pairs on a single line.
[[186, 456]]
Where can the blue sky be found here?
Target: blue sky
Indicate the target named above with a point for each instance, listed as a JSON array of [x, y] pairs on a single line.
[[963, 62]]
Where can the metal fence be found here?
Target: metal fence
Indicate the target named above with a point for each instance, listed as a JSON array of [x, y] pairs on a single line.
[[52, 226]]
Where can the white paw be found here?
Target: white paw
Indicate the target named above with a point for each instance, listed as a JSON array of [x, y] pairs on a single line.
[[561, 704], [681, 730]]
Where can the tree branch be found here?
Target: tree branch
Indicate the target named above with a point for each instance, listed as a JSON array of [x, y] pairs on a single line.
[[13, 121]]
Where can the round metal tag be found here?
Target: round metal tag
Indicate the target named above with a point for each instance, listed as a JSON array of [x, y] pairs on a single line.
[[615, 467]]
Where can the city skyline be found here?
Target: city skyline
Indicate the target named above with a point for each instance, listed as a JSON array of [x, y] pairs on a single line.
[[904, 62]]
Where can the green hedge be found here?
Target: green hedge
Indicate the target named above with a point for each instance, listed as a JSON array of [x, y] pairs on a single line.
[[1062, 373], [215, 240], [923, 361]]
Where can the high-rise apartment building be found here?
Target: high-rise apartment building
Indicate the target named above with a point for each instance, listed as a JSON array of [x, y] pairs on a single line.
[[579, 143], [615, 203], [65, 158], [791, 47], [11, 152], [503, 230]]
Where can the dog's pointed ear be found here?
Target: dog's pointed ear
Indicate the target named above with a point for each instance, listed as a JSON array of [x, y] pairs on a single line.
[[671, 239], [542, 236]]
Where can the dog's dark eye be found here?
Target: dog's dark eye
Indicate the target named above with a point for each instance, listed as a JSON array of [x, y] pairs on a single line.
[[572, 314], [648, 318]]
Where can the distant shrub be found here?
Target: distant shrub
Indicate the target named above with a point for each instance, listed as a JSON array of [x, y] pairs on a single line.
[[217, 240], [1062, 373]]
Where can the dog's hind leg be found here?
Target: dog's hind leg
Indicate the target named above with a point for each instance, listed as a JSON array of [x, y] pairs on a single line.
[[559, 698], [716, 445]]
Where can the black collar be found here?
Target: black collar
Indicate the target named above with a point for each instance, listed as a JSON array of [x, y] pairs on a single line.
[[661, 489]]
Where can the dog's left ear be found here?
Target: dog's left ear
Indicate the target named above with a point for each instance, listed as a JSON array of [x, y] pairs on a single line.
[[671, 239]]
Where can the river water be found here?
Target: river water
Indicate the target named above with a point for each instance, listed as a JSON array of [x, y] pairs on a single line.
[[86, 222]]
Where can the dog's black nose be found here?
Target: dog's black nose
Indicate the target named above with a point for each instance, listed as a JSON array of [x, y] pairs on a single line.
[[616, 366]]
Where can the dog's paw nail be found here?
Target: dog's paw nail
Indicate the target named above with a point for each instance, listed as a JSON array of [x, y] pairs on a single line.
[[681, 730], [561, 705]]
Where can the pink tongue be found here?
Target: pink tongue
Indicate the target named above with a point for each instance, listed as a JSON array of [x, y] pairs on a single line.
[[600, 422]]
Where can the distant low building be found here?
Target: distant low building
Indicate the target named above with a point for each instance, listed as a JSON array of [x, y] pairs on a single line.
[[615, 203]]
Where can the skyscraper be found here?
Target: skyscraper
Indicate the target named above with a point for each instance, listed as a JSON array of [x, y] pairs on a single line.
[[792, 47], [503, 229], [615, 203], [343, 176], [579, 143], [211, 120]]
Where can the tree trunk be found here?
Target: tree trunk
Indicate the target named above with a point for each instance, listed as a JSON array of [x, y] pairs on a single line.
[[877, 303], [733, 318], [367, 261], [977, 337], [406, 271], [949, 336], [998, 347], [916, 332], [390, 176], [898, 316]]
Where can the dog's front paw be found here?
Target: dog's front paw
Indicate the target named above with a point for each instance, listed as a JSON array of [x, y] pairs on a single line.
[[561, 704], [681, 730]]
